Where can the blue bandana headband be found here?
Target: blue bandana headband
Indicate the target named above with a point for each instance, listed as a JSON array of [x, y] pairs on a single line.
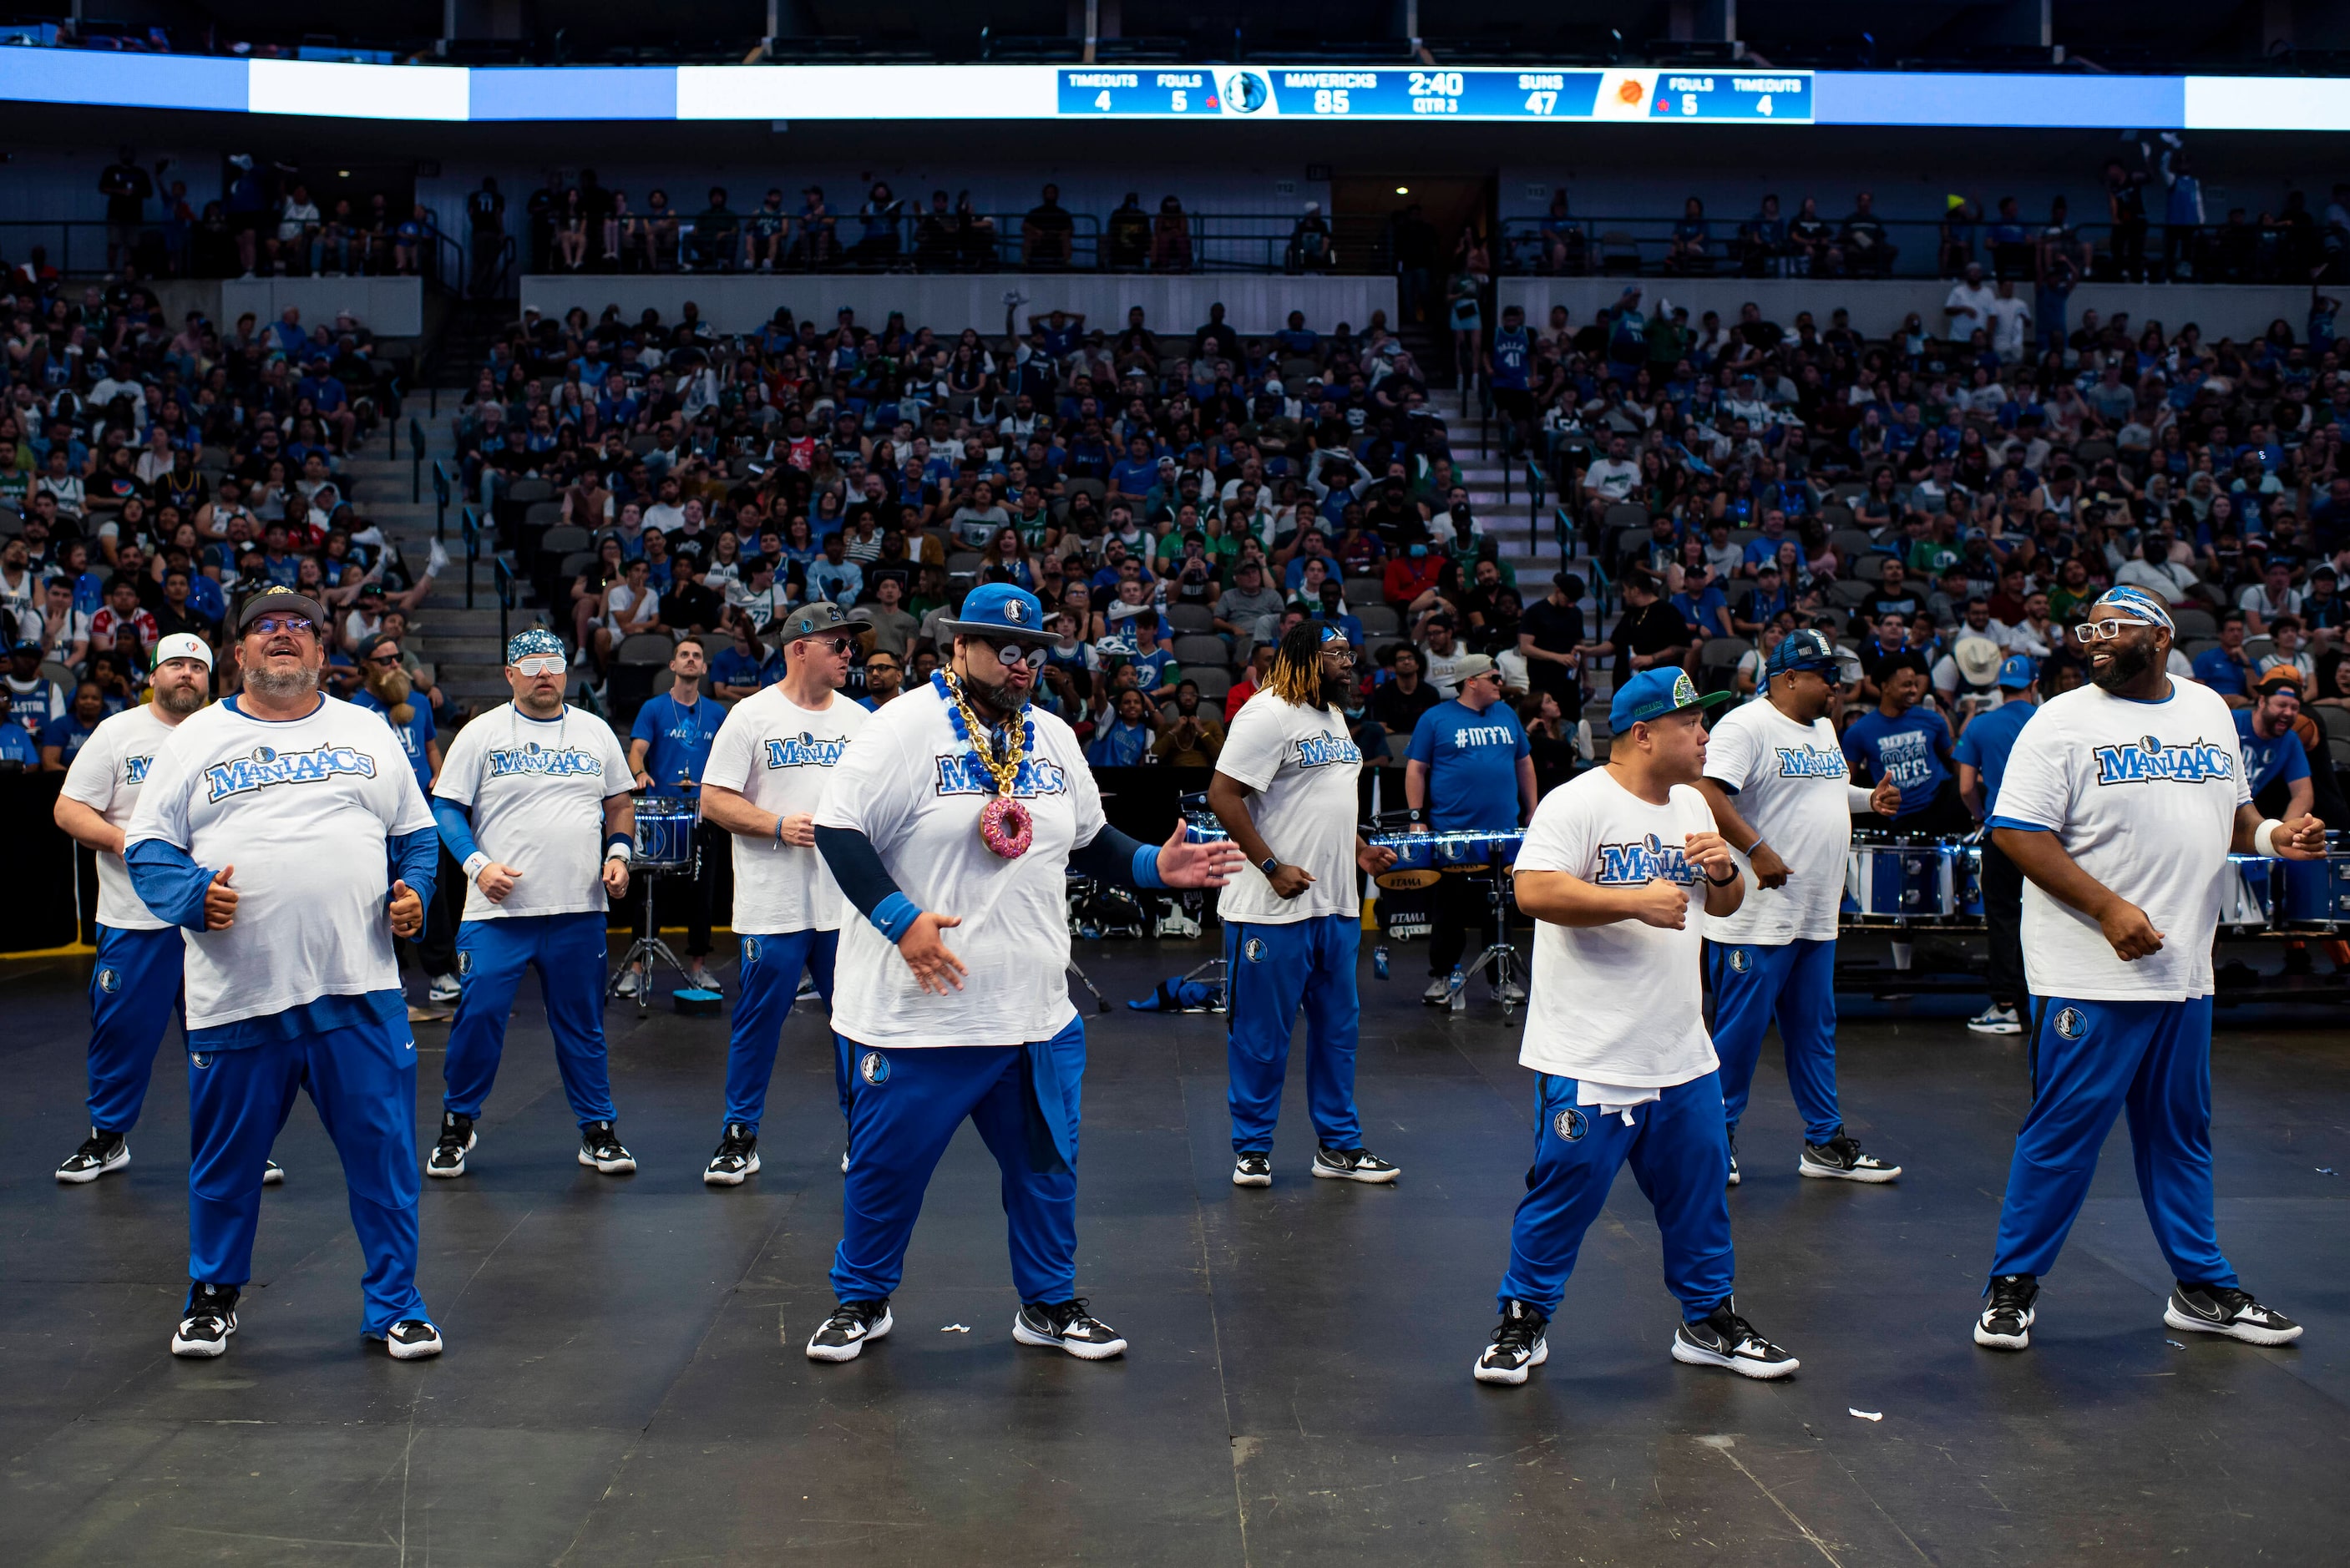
[[2139, 603], [536, 640]]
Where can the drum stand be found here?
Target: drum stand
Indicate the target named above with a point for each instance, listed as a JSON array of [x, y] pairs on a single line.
[[1504, 957], [1101, 1003], [649, 948]]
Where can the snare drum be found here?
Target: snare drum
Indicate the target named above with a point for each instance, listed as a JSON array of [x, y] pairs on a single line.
[[1474, 851], [2316, 892], [1967, 869], [1203, 827], [1413, 852], [1913, 879], [665, 833]]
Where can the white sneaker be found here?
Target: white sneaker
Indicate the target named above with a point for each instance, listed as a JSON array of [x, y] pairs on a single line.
[[1512, 993], [701, 979], [438, 561], [1439, 993], [1996, 1020], [631, 982], [444, 988]]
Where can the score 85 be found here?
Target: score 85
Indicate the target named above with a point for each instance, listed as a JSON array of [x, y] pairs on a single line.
[[1330, 101]]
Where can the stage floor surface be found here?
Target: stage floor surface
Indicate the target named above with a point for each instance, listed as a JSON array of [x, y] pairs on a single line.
[[624, 1381]]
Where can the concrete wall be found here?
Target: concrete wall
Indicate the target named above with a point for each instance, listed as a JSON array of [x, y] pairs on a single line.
[[2222, 310], [386, 306], [949, 303]]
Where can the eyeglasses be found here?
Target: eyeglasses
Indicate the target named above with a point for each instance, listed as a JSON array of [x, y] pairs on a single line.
[[1010, 651], [383, 659], [1343, 652], [2106, 631], [536, 664], [840, 645], [271, 625]]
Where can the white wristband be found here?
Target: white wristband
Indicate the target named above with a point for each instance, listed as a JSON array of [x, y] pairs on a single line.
[[622, 852], [2264, 839], [474, 864]]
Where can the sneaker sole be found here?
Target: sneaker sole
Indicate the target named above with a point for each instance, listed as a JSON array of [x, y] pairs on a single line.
[[1837, 1173], [200, 1349], [1734, 1177], [1369, 1178], [1242, 1179], [79, 1177], [609, 1166], [2245, 1331], [424, 1350], [1026, 1335], [1761, 1371], [1990, 1341], [444, 1172], [716, 1178], [854, 1349], [275, 1176], [1509, 1375], [1995, 1028]]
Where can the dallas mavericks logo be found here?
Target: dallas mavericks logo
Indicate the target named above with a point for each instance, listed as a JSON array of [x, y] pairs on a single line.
[[1569, 1124], [1740, 960], [1812, 763], [803, 750], [2071, 1024], [134, 769], [874, 1068], [1246, 92], [534, 758], [750, 951], [964, 774], [464, 965], [266, 766], [110, 980], [198, 1059], [2148, 758], [1253, 950], [1323, 751], [1649, 860]]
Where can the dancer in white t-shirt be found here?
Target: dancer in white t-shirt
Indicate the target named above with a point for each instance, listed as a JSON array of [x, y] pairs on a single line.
[[1615, 1032]]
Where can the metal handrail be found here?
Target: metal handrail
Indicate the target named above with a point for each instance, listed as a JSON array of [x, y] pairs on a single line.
[[442, 489], [415, 462], [504, 580], [469, 522]]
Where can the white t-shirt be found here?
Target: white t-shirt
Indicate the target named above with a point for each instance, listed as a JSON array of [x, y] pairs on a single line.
[[1975, 297], [2007, 321], [779, 756], [914, 789], [2143, 797], [1618, 1003], [1303, 766], [303, 809], [536, 789], [105, 776], [1793, 785]]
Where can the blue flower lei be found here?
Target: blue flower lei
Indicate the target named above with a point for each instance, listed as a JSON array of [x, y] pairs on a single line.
[[962, 735]]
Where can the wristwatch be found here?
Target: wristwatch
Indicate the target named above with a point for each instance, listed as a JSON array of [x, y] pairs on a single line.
[[1269, 865]]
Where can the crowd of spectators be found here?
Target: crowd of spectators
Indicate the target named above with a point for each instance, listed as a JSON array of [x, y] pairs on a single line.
[[150, 480]]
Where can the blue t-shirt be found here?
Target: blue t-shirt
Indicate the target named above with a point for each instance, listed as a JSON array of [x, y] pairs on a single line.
[[736, 667], [16, 745], [2222, 674], [1984, 744], [1913, 751], [413, 736], [681, 739], [2266, 762], [67, 734], [1512, 354], [1472, 762]]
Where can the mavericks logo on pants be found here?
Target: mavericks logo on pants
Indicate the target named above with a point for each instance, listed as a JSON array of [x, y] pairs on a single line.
[[874, 1068], [2071, 1022], [1569, 1124]]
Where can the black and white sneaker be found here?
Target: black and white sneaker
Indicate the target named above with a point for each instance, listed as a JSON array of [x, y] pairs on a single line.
[[737, 1156], [1066, 1325], [601, 1148], [99, 1153], [1733, 1161], [2005, 1322], [1439, 993], [207, 1321], [1722, 1338], [1519, 1345], [410, 1339], [1996, 1020], [1252, 1170], [843, 1335], [1842, 1158], [272, 1174], [448, 1155], [2222, 1309], [1353, 1165]]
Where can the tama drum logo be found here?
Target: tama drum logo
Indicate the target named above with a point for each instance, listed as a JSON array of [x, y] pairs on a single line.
[[1651, 859], [750, 951], [110, 980], [1569, 1125], [2149, 758], [1253, 950], [874, 1068], [267, 766], [2071, 1022], [1740, 960], [569, 762], [803, 750]]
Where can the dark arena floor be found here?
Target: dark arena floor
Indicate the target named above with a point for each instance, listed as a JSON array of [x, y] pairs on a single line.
[[624, 1381]]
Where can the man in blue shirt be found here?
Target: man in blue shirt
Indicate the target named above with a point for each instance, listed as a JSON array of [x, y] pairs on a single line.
[[1509, 362], [2227, 668], [746, 669], [17, 747], [62, 737], [1470, 770], [1910, 745], [2276, 764], [1981, 754], [669, 747], [385, 689]]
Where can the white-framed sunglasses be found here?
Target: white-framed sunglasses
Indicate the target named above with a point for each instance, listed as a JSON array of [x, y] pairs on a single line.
[[2106, 631], [536, 664]]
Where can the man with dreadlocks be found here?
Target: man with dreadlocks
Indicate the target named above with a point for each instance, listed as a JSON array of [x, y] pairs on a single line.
[[1284, 790], [2120, 803], [961, 808], [385, 688]]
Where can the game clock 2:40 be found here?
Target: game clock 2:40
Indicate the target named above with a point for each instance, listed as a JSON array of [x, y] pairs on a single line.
[[1272, 92]]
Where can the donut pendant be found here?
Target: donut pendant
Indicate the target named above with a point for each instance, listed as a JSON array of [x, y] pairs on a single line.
[[1005, 827]]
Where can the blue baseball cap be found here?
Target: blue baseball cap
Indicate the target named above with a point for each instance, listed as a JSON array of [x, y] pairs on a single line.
[[1000, 609], [2018, 672], [1802, 648], [1655, 694]]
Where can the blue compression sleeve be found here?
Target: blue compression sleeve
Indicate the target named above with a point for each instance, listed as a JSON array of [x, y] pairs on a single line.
[[1113, 856], [168, 882], [416, 860], [456, 830], [856, 866]]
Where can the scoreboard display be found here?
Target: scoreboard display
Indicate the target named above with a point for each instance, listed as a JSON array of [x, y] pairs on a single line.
[[1479, 93]]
